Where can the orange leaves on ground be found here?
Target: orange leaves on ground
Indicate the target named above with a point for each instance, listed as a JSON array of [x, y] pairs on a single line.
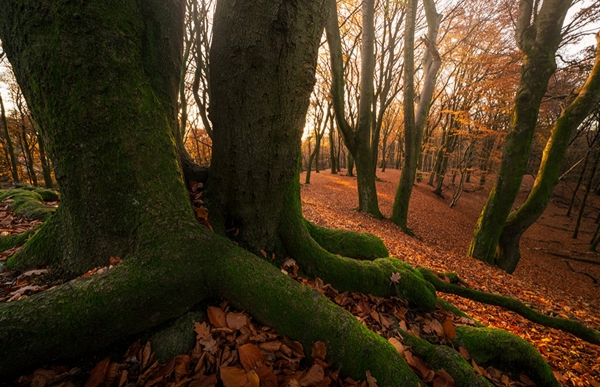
[[233, 376], [319, 350], [98, 373], [236, 320], [449, 329]]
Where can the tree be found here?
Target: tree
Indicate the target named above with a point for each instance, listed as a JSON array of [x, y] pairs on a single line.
[[504, 236], [415, 122], [538, 34], [126, 186]]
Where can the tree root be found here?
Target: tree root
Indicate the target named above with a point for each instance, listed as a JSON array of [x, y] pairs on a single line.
[[594, 279], [505, 351], [372, 277], [7, 242], [443, 357], [360, 245], [29, 203], [574, 327]]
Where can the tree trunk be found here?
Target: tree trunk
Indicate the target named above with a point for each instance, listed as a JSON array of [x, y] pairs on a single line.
[[508, 255], [9, 145], [332, 156], [579, 180], [538, 41], [414, 124]]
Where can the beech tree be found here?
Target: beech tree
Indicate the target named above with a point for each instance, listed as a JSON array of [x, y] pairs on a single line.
[[102, 78], [539, 33]]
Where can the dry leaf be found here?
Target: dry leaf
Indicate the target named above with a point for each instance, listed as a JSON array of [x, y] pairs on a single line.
[[123, 378], [253, 379], [528, 382], [42, 377], [182, 367], [205, 381], [464, 353], [371, 381], [114, 261], [443, 379], [145, 356], [112, 373], [250, 356], [437, 327], [217, 317], [202, 330], [397, 344], [319, 350], [266, 376], [233, 376], [313, 376], [98, 374], [449, 329], [270, 346], [236, 320], [163, 371], [395, 277]]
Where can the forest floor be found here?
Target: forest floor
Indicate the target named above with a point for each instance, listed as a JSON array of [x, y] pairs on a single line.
[[442, 237]]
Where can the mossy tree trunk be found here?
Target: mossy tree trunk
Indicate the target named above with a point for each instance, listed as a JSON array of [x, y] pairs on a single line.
[[538, 37], [508, 254]]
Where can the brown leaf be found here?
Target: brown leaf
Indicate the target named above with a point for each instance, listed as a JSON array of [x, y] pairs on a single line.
[[443, 379], [145, 356], [233, 376], [371, 381], [114, 261], [464, 353], [123, 378], [397, 344], [112, 373], [267, 377], [270, 346], [294, 346], [202, 330], [437, 327], [182, 367], [163, 371], [528, 382], [449, 329], [319, 350], [253, 379], [217, 317], [98, 374], [250, 356], [205, 381], [236, 320], [313, 376]]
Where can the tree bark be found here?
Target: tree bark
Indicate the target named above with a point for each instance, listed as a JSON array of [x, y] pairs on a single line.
[[9, 145], [508, 255], [538, 40]]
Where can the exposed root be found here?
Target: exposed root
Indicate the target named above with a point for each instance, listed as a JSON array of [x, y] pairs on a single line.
[[7, 242], [29, 203], [574, 327], [346, 243]]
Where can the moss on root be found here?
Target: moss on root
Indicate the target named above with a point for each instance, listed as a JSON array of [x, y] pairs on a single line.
[[6, 242], [361, 245], [28, 203], [176, 337], [442, 357], [507, 352], [574, 327]]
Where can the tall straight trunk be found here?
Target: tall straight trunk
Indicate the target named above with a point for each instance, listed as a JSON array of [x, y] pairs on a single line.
[[349, 165], [415, 123], [46, 168], [28, 156], [332, 155], [586, 193], [538, 40], [357, 140], [9, 145]]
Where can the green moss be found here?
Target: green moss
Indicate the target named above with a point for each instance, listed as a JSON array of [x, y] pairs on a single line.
[[346, 243], [6, 242], [177, 337], [49, 195], [27, 203], [442, 357], [505, 351]]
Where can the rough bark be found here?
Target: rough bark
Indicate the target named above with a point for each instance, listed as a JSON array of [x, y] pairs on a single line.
[[508, 254], [538, 40], [415, 122], [357, 140]]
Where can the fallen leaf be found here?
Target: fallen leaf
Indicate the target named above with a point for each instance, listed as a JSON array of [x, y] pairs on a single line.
[[443, 379], [449, 329], [266, 376], [270, 346], [42, 377], [371, 381], [250, 356], [319, 350], [464, 353], [205, 381], [182, 367], [217, 317], [313, 376], [528, 382], [236, 320], [114, 261], [395, 277], [253, 379], [233, 376], [98, 374], [202, 330], [397, 344]]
